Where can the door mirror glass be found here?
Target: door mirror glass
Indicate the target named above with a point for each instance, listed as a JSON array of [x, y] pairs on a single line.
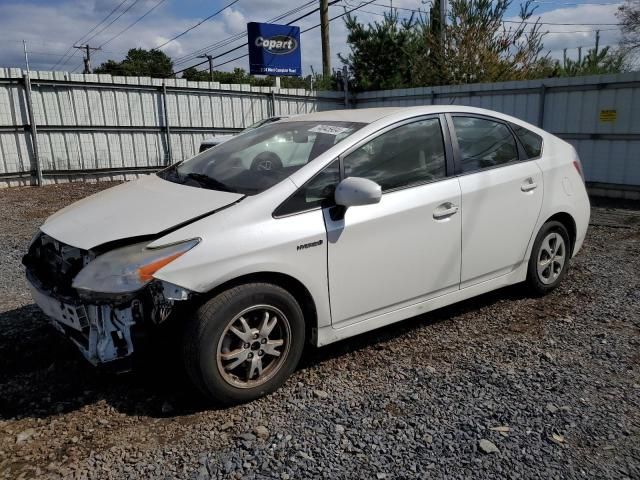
[[355, 191]]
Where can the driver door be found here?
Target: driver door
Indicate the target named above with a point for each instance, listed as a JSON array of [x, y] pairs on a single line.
[[405, 249]]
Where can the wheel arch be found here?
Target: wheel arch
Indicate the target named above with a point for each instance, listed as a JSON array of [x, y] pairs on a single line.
[[292, 285], [569, 223]]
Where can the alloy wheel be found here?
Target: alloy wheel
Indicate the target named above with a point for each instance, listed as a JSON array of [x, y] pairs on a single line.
[[254, 346], [551, 258]]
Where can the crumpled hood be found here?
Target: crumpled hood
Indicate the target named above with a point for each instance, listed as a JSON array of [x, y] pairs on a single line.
[[147, 206]]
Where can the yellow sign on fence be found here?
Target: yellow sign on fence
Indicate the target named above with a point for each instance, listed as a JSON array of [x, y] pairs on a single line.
[[608, 115]]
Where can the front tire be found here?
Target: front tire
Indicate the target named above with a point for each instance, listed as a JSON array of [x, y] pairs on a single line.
[[244, 342], [549, 259]]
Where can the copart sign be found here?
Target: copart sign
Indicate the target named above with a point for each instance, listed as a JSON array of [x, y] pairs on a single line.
[[274, 49]]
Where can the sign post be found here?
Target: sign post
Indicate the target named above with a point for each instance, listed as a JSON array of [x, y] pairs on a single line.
[[274, 50]]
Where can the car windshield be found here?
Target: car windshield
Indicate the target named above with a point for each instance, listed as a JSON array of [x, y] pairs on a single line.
[[256, 160]]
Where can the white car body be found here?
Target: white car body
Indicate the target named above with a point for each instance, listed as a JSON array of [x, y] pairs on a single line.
[[377, 265]]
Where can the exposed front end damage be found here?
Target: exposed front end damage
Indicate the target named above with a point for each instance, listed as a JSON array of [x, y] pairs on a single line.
[[105, 328]]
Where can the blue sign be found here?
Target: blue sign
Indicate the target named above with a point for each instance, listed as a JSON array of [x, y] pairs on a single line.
[[274, 49]]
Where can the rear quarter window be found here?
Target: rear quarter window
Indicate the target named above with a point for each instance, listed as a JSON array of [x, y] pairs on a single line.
[[532, 142]]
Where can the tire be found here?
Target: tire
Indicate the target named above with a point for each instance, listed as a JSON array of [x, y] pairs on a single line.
[[549, 259], [217, 338]]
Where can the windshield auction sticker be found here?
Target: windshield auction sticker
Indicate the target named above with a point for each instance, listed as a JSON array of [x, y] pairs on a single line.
[[329, 129]]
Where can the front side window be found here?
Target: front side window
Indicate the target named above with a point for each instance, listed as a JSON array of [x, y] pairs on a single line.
[[258, 159], [407, 155], [483, 143], [317, 192]]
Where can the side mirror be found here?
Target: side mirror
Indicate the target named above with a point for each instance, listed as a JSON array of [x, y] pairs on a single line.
[[355, 191]]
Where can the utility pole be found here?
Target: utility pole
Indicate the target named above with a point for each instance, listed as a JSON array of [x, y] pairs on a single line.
[[210, 58], [324, 34], [443, 19], [87, 56], [26, 55]]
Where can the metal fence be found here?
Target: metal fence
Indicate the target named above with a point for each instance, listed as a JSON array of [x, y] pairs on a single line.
[[599, 115], [55, 126]]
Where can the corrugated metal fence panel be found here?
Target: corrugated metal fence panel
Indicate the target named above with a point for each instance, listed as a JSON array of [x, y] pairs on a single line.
[[609, 150], [15, 147], [89, 122]]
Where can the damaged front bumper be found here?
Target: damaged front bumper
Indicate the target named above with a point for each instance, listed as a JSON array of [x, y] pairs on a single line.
[[101, 332], [104, 328], [104, 332]]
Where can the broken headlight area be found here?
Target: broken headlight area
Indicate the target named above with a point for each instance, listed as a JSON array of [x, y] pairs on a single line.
[[106, 304]]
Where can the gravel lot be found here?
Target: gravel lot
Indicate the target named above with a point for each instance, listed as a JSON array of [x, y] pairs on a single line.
[[502, 386]]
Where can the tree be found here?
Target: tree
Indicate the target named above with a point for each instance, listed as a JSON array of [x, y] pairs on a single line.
[[381, 53], [629, 15], [596, 62], [475, 45], [140, 62], [480, 47]]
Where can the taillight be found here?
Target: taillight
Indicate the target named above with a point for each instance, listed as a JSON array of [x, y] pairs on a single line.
[[578, 165]]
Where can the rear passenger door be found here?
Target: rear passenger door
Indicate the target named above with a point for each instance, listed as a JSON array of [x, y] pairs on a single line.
[[501, 196]]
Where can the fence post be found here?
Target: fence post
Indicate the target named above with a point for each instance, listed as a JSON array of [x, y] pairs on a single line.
[[345, 81], [273, 103], [167, 130], [541, 102], [33, 128]]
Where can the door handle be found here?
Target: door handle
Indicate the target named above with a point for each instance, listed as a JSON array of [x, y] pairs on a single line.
[[445, 210], [529, 185]]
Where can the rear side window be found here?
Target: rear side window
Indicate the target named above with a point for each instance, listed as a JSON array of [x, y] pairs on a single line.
[[407, 155], [532, 142], [317, 192], [483, 143]]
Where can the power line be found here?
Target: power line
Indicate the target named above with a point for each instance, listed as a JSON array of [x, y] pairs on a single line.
[[245, 44], [301, 32], [197, 24], [548, 32], [514, 21], [112, 21], [105, 27], [236, 36], [132, 24], [89, 32]]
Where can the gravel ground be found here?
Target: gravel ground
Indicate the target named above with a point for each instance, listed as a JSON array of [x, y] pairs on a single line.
[[502, 386]]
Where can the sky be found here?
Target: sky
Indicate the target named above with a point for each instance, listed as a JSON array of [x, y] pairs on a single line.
[[51, 27]]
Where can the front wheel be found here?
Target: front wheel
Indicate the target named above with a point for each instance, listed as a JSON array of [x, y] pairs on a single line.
[[244, 342], [549, 259]]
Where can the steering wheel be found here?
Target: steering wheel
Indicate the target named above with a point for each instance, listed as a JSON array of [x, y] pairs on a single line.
[[266, 161]]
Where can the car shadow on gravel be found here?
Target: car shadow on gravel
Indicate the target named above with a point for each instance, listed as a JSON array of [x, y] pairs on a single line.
[[43, 375]]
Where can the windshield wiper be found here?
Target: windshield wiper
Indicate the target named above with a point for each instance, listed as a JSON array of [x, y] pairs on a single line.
[[207, 181]]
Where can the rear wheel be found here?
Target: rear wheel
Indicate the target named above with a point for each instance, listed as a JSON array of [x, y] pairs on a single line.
[[244, 342], [549, 258]]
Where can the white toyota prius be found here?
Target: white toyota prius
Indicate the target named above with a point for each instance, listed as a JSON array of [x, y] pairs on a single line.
[[373, 216]]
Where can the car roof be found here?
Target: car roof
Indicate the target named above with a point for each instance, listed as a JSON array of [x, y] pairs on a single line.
[[370, 115], [360, 115]]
